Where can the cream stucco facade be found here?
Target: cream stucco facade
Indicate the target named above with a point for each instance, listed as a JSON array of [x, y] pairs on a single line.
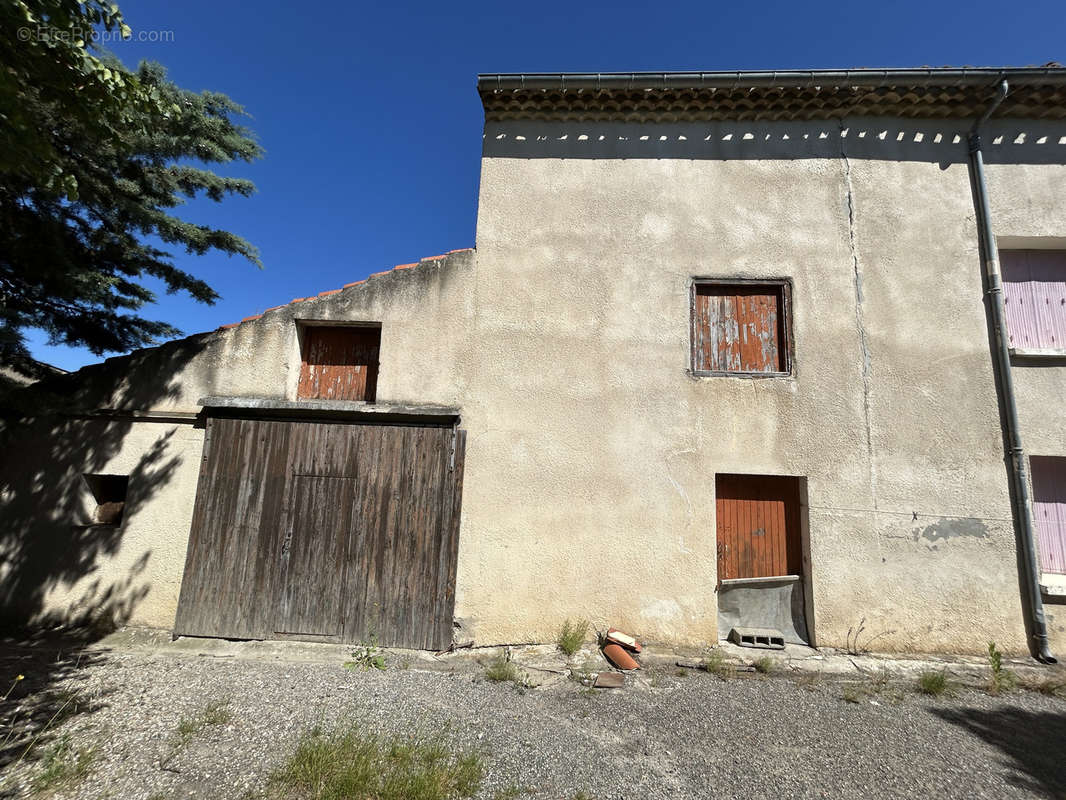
[[563, 339]]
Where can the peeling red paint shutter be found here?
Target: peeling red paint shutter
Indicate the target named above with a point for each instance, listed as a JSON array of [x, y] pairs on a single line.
[[1049, 511], [1034, 297], [738, 328], [340, 363]]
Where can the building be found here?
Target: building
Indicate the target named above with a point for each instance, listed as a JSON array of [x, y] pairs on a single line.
[[725, 354]]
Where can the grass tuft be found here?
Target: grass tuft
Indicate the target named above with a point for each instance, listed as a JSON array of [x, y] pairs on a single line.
[[572, 636], [63, 766], [216, 712], [765, 665], [1053, 685], [716, 664], [855, 692], [501, 669], [350, 763], [933, 683]]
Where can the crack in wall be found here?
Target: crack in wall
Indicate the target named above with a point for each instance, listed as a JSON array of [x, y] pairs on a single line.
[[860, 320]]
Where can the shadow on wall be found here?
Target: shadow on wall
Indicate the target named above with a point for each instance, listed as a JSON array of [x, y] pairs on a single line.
[[940, 142], [1030, 741], [53, 532]]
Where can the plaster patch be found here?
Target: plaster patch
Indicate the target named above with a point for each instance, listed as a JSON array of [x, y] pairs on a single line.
[[952, 528], [661, 610]]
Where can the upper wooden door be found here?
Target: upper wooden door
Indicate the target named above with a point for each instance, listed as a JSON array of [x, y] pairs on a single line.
[[758, 526], [313, 529]]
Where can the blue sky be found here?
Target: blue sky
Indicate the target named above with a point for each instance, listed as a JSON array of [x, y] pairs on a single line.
[[372, 124]]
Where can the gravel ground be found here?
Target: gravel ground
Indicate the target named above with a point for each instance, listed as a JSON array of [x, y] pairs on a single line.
[[664, 736]]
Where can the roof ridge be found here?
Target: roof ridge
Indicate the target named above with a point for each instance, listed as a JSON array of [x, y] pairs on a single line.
[[329, 292]]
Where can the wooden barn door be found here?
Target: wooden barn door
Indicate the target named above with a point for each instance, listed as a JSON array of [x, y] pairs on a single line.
[[758, 521], [316, 530]]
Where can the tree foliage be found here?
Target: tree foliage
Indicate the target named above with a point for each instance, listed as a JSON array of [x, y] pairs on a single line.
[[94, 158]]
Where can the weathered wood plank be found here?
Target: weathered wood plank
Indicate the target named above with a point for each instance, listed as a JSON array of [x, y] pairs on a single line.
[[325, 530]]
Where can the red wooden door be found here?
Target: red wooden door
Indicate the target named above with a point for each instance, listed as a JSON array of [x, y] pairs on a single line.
[[758, 524]]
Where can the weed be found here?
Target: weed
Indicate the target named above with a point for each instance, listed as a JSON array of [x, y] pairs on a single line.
[[933, 683], [11, 688], [809, 680], [214, 713], [63, 765], [367, 655], [572, 636], [855, 692], [851, 641], [716, 664], [1053, 685], [348, 762], [765, 665], [681, 672], [502, 670], [585, 674], [1002, 679], [583, 796]]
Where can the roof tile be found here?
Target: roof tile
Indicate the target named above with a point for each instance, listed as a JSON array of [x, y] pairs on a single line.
[[329, 292]]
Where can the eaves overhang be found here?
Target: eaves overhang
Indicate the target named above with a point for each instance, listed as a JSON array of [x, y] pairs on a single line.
[[935, 92]]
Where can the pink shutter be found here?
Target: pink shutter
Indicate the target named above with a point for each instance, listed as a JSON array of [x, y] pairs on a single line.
[[1049, 511], [1034, 296]]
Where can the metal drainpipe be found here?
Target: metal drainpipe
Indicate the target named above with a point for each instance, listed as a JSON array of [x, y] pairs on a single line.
[[1023, 514]]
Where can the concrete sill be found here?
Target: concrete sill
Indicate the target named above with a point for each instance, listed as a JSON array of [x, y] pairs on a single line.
[[1050, 353], [1053, 592], [756, 581]]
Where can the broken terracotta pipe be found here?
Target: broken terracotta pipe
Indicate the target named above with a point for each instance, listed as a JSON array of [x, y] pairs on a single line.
[[619, 657]]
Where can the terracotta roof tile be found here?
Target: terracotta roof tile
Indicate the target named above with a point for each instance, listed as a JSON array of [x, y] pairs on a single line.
[[329, 292], [768, 103]]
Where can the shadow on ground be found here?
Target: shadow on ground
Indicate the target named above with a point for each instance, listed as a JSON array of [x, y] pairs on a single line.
[[34, 706], [1033, 743]]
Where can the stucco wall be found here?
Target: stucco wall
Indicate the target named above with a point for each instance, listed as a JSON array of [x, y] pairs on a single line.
[[591, 455], [891, 413]]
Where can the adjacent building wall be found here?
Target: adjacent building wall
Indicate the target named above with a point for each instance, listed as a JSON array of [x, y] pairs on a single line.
[[55, 567]]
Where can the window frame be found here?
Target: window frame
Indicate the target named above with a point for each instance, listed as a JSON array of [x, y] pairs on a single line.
[[782, 285]]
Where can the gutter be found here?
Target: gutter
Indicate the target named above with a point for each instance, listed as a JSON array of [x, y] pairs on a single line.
[[1023, 504], [785, 79]]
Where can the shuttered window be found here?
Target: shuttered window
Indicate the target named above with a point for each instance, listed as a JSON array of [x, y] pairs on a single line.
[[1034, 296], [339, 363], [758, 523], [1049, 511], [740, 328]]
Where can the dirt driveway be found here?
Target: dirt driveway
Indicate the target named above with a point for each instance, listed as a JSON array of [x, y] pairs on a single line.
[[138, 724]]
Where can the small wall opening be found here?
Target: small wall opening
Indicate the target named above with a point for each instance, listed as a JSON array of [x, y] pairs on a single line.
[[762, 572], [109, 495], [339, 362]]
